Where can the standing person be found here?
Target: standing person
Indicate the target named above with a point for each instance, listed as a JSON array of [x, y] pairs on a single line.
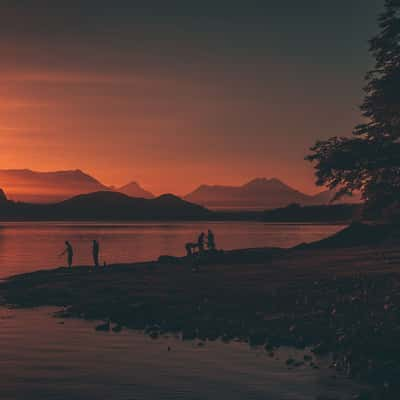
[[95, 253], [200, 242], [70, 253], [210, 240]]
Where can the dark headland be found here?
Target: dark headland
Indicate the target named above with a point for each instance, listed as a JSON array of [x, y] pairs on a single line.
[[339, 296]]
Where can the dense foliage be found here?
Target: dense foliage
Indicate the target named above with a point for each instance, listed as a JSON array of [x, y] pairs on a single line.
[[369, 161]]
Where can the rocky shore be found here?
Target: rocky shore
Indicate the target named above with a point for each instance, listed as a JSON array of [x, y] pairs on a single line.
[[335, 300]]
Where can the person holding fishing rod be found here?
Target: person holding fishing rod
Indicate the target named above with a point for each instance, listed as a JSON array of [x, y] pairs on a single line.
[[69, 252]]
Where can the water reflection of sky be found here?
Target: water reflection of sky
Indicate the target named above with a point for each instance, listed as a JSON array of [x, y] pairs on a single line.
[[43, 359], [27, 246]]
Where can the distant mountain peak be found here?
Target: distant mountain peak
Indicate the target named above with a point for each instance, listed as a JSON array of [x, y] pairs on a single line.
[[258, 193], [3, 197], [31, 186], [133, 183], [257, 182], [133, 189], [47, 187]]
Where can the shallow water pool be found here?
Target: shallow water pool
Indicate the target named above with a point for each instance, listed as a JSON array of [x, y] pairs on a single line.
[[42, 357]]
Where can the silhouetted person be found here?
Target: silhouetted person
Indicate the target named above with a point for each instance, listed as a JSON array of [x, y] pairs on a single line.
[[69, 252], [210, 240], [200, 242], [95, 253]]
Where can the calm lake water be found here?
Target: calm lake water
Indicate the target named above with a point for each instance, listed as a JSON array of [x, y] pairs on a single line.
[[29, 246], [40, 359]]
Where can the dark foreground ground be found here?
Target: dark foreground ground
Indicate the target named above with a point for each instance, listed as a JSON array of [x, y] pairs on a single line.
[[344, 301]]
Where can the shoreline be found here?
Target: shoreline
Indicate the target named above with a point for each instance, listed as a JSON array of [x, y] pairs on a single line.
[[337, 300]]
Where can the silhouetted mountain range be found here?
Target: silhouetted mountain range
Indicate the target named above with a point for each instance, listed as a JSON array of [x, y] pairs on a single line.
[[260, 193], [109, 205], [106, 205], [50, 187]]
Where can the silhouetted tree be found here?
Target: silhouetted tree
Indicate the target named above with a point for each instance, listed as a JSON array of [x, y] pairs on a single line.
[[369, 161]]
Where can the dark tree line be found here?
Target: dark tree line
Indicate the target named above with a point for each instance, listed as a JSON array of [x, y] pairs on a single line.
[[369, 160]]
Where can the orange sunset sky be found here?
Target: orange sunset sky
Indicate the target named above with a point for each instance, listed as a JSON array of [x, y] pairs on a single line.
[[175, 95]]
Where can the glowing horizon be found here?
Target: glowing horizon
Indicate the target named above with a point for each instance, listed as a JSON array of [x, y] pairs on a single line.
[[174, 102]]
